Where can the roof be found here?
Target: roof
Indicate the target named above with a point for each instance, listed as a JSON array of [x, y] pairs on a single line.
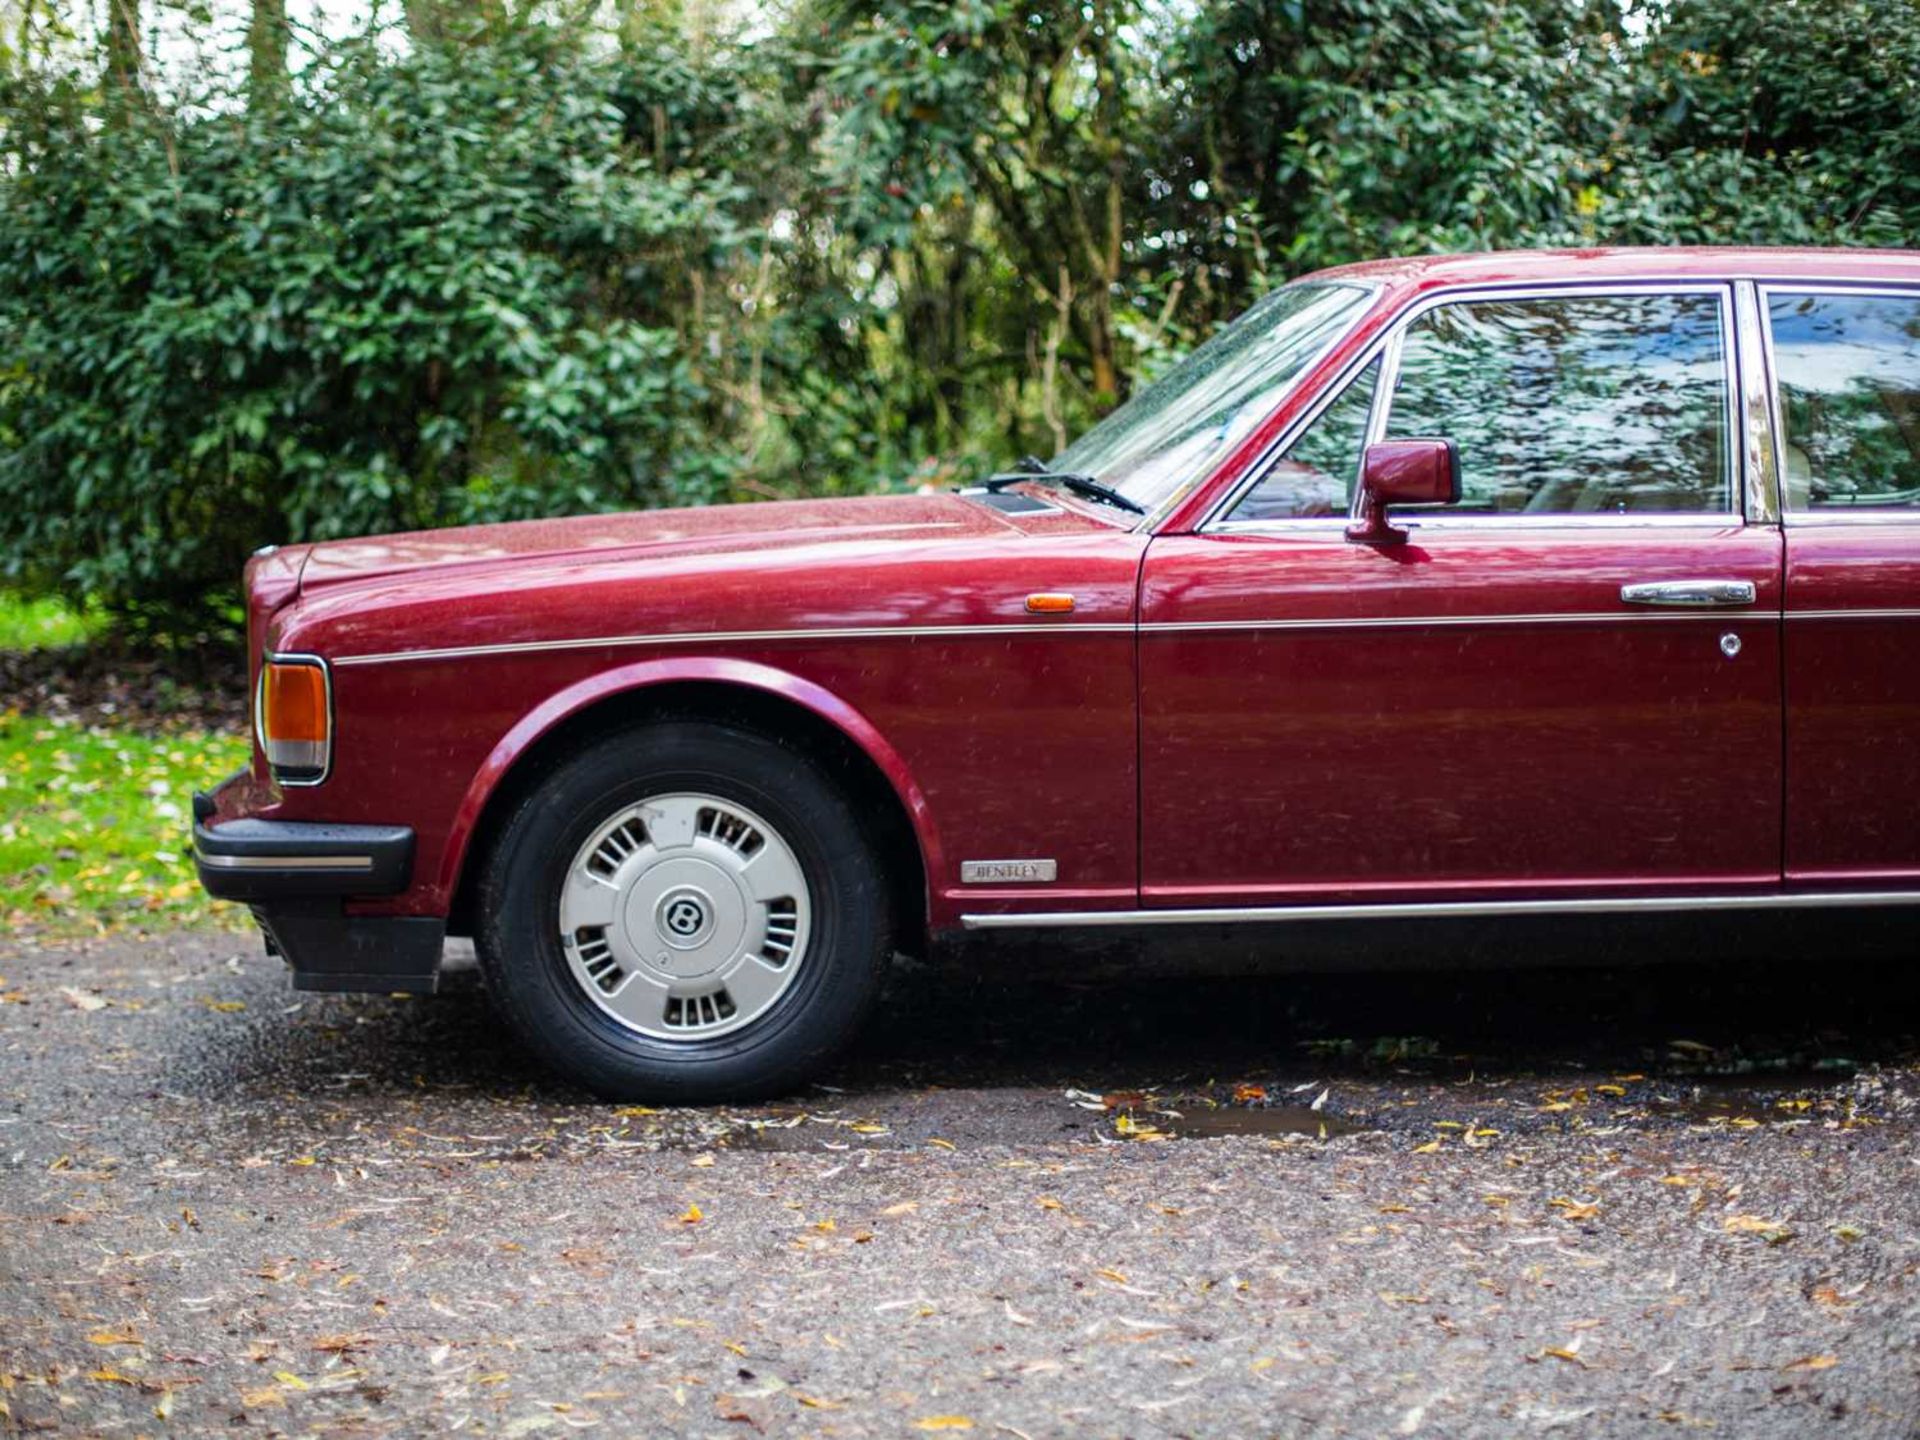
[[1637, 263]]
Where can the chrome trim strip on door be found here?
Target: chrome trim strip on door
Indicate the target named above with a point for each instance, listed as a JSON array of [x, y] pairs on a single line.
[[1721, 288], [1421, 910], [1697, 593], [1009, 630]]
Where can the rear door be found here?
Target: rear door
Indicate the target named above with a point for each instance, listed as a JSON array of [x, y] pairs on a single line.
[[1847, 367], [1567, 685]]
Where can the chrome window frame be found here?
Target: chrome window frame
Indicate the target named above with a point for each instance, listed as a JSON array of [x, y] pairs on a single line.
[[1746, 486], [1764, 291]]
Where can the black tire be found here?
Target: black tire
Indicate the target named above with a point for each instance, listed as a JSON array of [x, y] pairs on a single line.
[[527, 973]]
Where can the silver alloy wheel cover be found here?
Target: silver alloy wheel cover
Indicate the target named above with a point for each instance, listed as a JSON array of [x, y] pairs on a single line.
[[684, 916]]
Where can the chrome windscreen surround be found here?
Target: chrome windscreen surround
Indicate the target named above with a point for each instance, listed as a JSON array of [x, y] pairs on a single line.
[[320, 753]]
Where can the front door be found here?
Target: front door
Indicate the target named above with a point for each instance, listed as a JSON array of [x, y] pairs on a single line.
[[1847, 362], [1537, 695]]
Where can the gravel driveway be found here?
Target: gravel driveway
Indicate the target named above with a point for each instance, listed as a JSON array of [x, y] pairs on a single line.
[[1634, 1202]]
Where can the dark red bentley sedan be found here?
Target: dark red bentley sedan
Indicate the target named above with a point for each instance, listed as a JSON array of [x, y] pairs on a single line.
[[1486, 585]]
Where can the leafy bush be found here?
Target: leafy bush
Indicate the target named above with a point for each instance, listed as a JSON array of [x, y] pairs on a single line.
[[382, 303]]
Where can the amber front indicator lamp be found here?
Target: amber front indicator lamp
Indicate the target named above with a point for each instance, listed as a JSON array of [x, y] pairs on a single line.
[[294, 717]]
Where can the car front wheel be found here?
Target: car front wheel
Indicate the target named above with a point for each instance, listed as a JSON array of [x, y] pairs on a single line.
[[683, 911]]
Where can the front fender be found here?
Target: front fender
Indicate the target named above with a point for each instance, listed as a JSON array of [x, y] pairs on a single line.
[[556, 709]]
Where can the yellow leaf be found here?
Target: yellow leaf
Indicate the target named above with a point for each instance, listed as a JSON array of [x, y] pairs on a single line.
[[226, 1007], [1427, 1149], [122, 1336], [943, 1144], [692, 1216], [1814, 1362], [629, 1111], [1609, 1089], [1557, 1353], [814, 1402], [303, 1161], [702, 1161], [1047, 1202], [868, 1127], [1114, 1275], [111, 1377], [826, 1227], [494, 1379], [1772, 1231], [944, 1422], [291, 1380]]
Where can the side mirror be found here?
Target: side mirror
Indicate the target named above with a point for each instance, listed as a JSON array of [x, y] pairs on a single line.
[[1403, 472]]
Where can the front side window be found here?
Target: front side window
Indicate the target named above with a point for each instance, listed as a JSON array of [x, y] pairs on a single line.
[[1848, 368], [1575, 404], [1316, 475]]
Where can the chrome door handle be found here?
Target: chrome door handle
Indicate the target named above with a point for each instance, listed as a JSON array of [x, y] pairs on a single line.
[[1690, 592]]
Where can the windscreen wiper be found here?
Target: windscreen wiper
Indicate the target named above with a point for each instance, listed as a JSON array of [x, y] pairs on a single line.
[[1032, 469]]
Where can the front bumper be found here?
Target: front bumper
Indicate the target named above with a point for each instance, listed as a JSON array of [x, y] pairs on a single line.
[[296, 876]]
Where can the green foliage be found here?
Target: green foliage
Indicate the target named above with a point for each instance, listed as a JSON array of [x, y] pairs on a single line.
[[501, 266], [417, 292]]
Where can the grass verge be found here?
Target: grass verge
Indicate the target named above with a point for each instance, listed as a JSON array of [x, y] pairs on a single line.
[[44, 624], [94, 825]]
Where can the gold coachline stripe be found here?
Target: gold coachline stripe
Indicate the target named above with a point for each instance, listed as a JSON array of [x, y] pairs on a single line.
[[1408, 622], [1163, 627], [737, 637], [1858, 614]]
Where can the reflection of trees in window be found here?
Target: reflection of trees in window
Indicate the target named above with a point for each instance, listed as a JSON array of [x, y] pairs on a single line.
[[1849, 373], [1583, 404]]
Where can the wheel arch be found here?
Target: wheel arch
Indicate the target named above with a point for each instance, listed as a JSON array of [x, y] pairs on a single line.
[[759, 697]]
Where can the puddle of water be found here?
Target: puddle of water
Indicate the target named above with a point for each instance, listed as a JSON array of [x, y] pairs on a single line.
[[1207, 1124], [1740, 1110]]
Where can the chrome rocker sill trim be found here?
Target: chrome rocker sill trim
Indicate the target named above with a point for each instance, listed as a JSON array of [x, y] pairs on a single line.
[[1441, 909]]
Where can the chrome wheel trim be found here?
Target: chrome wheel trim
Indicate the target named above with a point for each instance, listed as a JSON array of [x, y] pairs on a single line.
[[684, 916]]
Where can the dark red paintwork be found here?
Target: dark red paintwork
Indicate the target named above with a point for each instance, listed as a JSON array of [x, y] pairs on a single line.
[[1164, 767]]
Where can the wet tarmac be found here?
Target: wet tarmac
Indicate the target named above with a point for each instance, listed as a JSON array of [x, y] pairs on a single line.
[[1039, 1198]]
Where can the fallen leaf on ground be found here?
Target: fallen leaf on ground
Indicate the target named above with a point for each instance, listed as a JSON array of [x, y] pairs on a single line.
[[944, 1422], [82, 999], [1813, 1362], [692, 1216], [1771, 1231]]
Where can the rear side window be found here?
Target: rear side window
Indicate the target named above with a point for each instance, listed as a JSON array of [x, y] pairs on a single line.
[[1574, 405], [1848, 368]]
